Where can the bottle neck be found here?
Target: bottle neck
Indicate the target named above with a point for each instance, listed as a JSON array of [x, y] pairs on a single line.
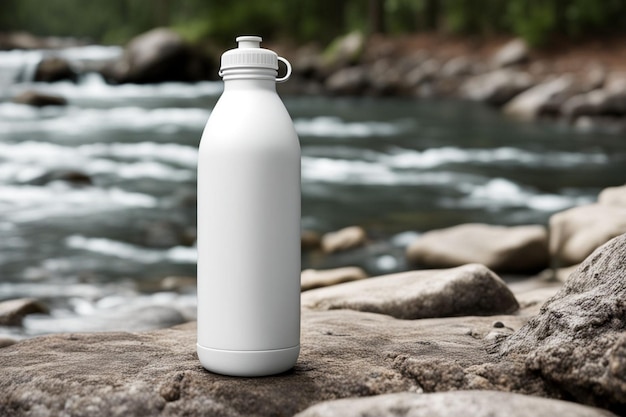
[[241, 78]]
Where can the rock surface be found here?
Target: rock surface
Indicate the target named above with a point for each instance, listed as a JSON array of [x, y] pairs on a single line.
[[157, 56], [467, 290], [529, 104], [344, 239], [452, 404], [613, 196], [53, 69], [577, 232], [512, 53], [12, 312], [344, 354], [311, 278], [496, 87], [510, 249], [34, 98], [578, 340]]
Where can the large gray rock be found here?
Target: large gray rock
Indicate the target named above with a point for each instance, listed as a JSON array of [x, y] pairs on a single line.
[[452, 404], [467, 290], [496, 87], [529, 104], [577, 232], [509, 249], [159, 55], [344, 354], [578, 341]]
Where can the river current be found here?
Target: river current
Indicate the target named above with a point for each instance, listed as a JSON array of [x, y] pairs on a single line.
[[397, 167]]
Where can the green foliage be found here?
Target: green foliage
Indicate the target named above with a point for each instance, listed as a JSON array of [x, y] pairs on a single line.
[[116, 21]]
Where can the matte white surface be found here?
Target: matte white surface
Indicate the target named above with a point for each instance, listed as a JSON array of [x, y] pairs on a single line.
[[249, 230]]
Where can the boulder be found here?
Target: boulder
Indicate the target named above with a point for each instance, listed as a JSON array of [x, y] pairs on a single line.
[[496, 87], [344, 239], [577, 232], [157, 56], [34, 98], [613, 196], [464, 291], [591, 103], [577, 343], [451, 404], [343, 51], [501, 248], [458, 66], [53, 69], [529, 104], [12, 312], [513, 52], [344, 354], [311, 278]]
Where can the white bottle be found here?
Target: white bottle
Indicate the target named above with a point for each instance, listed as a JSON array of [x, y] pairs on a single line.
[[249, 222]]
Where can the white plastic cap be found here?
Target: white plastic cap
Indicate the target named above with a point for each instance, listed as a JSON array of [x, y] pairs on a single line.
[[249, 54]]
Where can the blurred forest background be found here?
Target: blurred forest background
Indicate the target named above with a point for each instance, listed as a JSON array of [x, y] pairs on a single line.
[[116, 21]]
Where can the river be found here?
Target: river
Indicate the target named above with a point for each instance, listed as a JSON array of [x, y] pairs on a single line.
[[396, 166]]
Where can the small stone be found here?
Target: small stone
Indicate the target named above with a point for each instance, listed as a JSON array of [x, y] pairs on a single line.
[[310, 278], [498, 324], [12, 312], [310, 239], [70, 176], [512, 53], [6, 341], [344, 239], [53, 69], [451, 404], [467, 290], [36, 99]]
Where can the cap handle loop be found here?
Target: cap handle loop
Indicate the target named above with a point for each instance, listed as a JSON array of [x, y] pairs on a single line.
[[288, 74]]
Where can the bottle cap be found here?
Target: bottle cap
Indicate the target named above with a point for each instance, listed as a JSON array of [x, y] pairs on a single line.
[[250, 55]]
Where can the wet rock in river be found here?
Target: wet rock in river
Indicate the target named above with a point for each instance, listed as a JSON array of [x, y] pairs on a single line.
[[578, 340], [6, 341], [451, 404], [344, 239], [36, 99], [530, 104], [510, 249], [467, 290], [12, 312], [577, 232], [311, 278], [53, 69], [73, 177], [157, 56]]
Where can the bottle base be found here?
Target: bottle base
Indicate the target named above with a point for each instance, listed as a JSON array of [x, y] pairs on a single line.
[[248, 362]]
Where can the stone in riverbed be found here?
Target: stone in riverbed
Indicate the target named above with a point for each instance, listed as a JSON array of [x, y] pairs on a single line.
[[311, 278], [510, 249], [36, 99], [53, 69], [344, 239], [578, 341], [529, 104], [513, 52], [496, 87], [69, 176], [451, 404], [12, 312], [464, 291], [577, 232]]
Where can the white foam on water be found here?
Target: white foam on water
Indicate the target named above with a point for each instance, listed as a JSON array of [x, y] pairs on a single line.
[[27, 203], [75, 121], [326, 126], [109, 247]]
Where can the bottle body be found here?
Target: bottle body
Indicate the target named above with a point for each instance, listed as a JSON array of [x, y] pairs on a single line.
[[249, 234]]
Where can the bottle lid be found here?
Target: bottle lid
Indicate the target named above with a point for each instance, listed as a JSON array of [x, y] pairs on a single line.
[[250, 55]]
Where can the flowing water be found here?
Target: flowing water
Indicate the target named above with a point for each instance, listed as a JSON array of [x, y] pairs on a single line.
[[398, 167]]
